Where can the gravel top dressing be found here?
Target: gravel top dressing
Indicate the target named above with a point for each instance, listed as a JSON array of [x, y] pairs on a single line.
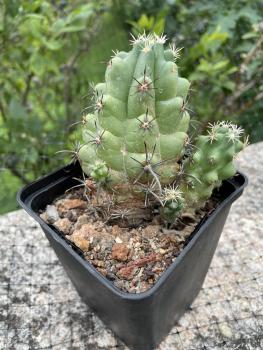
[[133, 258]]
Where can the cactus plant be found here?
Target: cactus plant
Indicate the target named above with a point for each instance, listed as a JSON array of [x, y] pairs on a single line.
[[211, 163], [136, 143]]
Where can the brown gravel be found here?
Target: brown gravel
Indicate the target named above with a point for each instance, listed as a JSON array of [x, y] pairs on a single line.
[[131, 258], [80, 242], [85, 231], [68, 204], [63, 225], [120, 252]]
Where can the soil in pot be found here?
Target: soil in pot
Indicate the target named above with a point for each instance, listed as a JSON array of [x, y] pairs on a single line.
[[131, 252]]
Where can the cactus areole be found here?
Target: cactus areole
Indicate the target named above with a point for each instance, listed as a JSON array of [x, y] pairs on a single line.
[[136, 144]]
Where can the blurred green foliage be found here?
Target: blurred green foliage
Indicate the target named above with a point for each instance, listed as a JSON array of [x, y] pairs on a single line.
[[51, 51]]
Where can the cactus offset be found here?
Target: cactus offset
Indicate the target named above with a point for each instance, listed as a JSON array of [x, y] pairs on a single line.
[[135, 139], [173, 203], [211, 163]]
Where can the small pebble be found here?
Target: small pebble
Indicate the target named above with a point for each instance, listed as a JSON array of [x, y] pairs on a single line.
[[80, 242], [83, 219], [116, 230], [120, 252], [225, 330], [68, 204], [51, 214], [63, 225], [86, 231]]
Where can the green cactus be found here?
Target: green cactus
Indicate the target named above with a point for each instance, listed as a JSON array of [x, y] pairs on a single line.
[[135, 139], [99, 171], [211, 163], [173, 203], [140, 117]]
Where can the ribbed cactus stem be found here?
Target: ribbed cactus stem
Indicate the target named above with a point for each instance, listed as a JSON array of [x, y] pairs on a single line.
[[173, 203], [211, 163], [141, 102]]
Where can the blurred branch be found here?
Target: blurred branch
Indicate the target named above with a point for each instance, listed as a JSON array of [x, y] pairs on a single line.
[[43, 105], [259, 96], [244, 107], [69, 67], [16, 172], [2, 110], [251, 54], [242, 87], [27, 89]]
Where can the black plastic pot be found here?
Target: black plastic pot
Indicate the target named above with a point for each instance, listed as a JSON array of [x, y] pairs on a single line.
[[140, 320]]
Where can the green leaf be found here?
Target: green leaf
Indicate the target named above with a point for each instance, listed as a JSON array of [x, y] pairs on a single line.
[[229, 85], [158, 27], [250, 35], [72, 29], [58, 25], [35, 16], [213, 41], [38, 64], [53, 44], [145, 22], [232, 70], [220, 65], [81, 13]]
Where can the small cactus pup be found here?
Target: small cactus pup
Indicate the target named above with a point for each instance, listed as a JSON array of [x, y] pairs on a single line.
[[173, 204], [135, 138], [211, 163]]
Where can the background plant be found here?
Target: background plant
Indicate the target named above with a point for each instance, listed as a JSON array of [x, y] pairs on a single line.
[[44, 79]]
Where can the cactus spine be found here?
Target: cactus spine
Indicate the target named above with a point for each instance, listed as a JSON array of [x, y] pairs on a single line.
[[135, 138]]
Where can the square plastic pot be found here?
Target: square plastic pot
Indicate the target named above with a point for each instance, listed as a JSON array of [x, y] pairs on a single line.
[[140, 320]]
